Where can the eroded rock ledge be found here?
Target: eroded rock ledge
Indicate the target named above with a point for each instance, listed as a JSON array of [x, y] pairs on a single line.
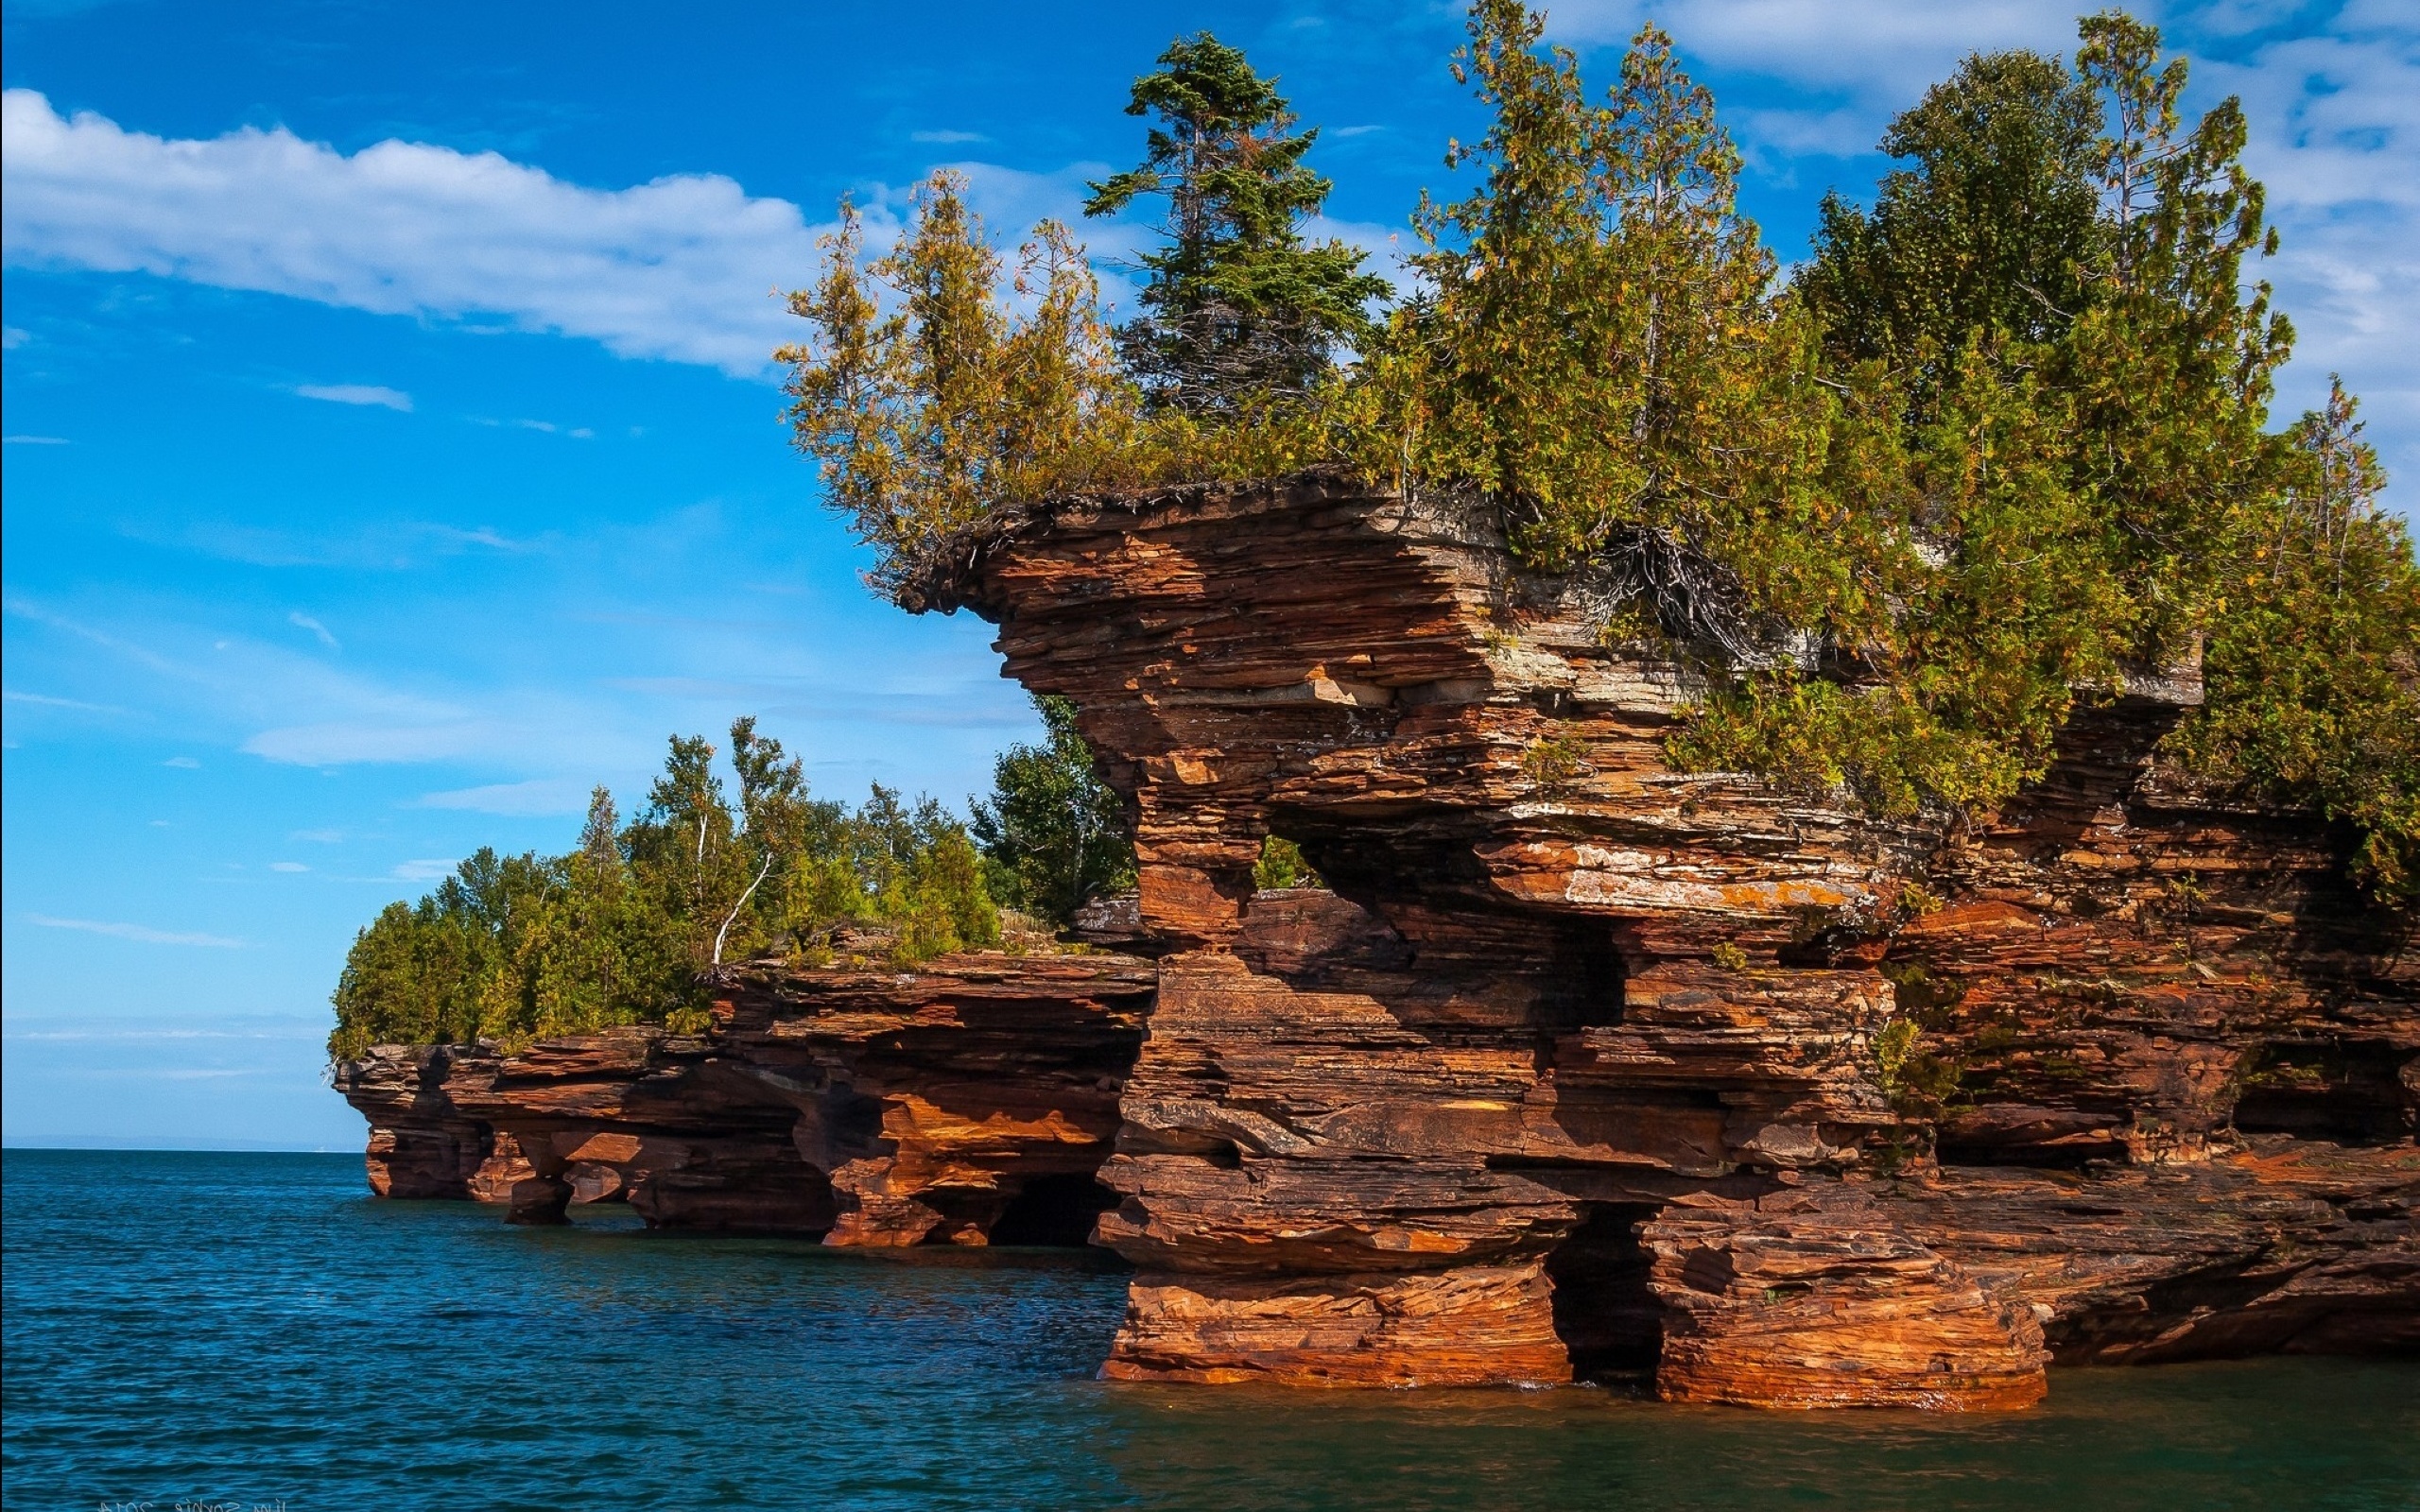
[[1585, 1068], [1589, 1064], [970, 1099]]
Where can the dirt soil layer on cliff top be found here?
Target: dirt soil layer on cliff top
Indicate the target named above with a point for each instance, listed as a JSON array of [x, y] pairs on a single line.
[[246, 1328]]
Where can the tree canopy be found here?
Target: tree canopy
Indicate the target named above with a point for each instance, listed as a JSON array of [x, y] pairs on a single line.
[[1053, 835], [624, 927], [2003, 443]]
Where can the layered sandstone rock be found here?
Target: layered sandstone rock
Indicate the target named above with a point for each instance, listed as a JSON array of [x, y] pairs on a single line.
[[969, 1101], [1586, 1067], [1590, 1063]]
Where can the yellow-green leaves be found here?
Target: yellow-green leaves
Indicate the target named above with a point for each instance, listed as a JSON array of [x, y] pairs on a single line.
[[926, 417]]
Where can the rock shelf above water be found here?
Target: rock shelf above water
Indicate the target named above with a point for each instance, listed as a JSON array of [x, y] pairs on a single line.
[[1602, 1071]]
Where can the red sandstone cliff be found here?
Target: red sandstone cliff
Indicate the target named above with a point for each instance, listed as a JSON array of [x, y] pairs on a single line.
[[970, 1099], [1595, 1064], [1600, 1069]]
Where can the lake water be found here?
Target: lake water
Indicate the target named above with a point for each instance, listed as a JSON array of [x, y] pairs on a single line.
[[255, 1328]]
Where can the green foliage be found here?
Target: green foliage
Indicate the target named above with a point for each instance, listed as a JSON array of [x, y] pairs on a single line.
[[1992, 229], [2000, 446], [2314, 668], [1918, 1083], [2082, 440], [924, 417], [1238, 310], [1281, 864], [623, 929], [1594, 349], [1054, 836], [1550, 763]]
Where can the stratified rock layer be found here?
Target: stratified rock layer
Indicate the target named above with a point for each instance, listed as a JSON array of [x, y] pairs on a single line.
[[1590, 1064], [969, 1101], [1586, 1067]]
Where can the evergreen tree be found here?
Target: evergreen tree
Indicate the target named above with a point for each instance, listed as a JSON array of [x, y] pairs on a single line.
[[626, 927], [927, 417], [1054, 836], [1993, 226], [1237, 308], [2314, 669]]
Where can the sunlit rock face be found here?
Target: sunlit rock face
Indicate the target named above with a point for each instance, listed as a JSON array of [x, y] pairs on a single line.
[[1588, 1065], [1585, 1068], [968, 1101]]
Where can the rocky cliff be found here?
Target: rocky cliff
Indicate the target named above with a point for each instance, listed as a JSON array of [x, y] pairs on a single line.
[[1593, 1065], [1586, 1067], [969, 1100]]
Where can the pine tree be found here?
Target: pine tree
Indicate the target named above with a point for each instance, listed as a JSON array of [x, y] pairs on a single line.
[[1993, 226], [1053, 835], [1238, 309]]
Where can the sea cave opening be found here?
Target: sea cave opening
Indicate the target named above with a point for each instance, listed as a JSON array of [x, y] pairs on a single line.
[[1054, 1211], [1605, 1312], [1587, 978]]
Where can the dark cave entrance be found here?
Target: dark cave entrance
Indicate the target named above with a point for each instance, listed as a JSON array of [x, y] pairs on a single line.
[[1057, 1212], [1586, 978], [2346, 1091], [1605, 1312]]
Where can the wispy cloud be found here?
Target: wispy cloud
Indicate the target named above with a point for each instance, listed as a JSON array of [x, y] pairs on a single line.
[[680, 267], [378, 546], [2335, 125], [35, 440], [1885, 51], [366, 394], [44, 700], [186, 763], [423, 870], [542, 796], [136, 931], [305, 622]]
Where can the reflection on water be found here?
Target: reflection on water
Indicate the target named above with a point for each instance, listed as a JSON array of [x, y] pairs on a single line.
[[248, 1327]]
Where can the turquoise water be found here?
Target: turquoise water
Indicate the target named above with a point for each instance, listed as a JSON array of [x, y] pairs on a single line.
[[249, 1328]]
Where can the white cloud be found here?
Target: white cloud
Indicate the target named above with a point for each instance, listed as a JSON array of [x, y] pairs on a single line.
[[11, 338], [44, 700], [681, 267], [423, 870], [2335, 135], [542, 796], [37, 440], [305, 622], [677, 267], [287, 865], [357, 394], [946, 138], [135, 932], [185, 761]]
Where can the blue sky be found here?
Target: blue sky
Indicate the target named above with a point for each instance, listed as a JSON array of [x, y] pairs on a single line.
[[390, 452]]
